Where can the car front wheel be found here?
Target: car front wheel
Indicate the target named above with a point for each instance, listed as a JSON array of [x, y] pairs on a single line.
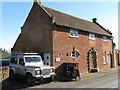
[[50, 79], [30, 80]]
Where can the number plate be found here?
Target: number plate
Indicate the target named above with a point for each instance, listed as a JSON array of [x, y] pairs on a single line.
[[46, 76]]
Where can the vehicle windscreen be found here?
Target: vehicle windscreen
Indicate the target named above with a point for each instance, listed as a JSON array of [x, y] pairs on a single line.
[[32, 59]]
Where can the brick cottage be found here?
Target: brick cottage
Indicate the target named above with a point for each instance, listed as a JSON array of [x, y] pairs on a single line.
[[61, 38]]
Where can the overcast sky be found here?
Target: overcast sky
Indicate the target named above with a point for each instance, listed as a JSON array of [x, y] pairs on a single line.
[[14, 15]]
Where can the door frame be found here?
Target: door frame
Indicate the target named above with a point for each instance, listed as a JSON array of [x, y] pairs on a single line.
[[92, 60]]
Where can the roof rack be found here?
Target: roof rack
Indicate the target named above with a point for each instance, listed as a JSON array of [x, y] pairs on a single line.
[[24, 53]]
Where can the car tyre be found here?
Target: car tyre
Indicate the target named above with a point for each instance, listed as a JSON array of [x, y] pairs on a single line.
[[30, 80], [12, 75], [50, 79]]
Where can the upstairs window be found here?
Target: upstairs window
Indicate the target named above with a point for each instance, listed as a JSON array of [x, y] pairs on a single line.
[[73, 33], [91, 36], [104, 38], [74, 54]]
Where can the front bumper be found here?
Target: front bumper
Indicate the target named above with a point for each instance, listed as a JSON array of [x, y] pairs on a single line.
[[45, 76]]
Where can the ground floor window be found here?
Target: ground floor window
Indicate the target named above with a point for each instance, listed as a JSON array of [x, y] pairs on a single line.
[[74, 54], [105, 58]]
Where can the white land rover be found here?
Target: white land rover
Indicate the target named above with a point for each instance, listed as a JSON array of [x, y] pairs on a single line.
[[30, 66]]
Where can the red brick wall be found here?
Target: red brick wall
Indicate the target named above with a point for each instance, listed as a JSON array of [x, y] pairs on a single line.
[[64, 44], [107, 47]]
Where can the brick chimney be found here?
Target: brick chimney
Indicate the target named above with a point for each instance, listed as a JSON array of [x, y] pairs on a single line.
[[38, 1], [94, 20]]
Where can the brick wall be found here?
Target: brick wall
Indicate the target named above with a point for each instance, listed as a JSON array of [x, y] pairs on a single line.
[[63, 43], [107, 47]]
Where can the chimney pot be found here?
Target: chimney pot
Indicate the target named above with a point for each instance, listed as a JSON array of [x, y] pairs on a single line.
[[94, 20], [38, 1]]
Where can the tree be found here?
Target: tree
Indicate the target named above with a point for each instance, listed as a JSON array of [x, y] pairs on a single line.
[[4, 54]]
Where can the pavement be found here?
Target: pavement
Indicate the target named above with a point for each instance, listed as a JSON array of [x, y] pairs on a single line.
[[85, 76]]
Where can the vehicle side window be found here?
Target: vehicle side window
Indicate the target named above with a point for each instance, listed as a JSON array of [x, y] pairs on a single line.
[[14, 60], [21, 61]]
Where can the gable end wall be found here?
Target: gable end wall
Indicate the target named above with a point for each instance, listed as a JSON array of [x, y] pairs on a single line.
[[36, 33]]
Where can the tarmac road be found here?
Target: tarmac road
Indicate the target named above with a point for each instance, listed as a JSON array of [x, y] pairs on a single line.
[[105, 81]]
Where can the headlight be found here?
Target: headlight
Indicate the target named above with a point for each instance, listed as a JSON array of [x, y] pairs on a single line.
[[52, 70], [37, 72]]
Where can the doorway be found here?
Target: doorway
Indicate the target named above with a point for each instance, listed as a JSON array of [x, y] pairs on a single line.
[[47, 59], [92, 60]]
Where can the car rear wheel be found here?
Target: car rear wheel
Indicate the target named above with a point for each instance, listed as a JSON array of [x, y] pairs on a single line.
[[30, 80], [11, 75]]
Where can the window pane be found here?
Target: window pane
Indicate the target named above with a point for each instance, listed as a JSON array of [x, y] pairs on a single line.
[[76, 33], [92, 36], [104, 38], [74, 54], [73, 32], [21, 61], [14, 60], [32, 59], [77, 54], [105, 58]]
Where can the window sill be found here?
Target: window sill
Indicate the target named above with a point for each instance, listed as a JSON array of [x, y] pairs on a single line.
[[105, 63], [73, 57], [73, 36], [104, 40], [91, 39]]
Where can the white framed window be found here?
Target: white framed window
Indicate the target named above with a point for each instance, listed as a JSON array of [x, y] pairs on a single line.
[[73, 33], [91, 36], [74, 54], [105, 58], [104, 38]]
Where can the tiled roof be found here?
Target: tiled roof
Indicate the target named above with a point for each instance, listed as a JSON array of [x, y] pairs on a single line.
[[74, 22]]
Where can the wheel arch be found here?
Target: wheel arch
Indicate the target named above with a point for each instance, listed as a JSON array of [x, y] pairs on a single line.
[[12, 69], [30, 73]]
